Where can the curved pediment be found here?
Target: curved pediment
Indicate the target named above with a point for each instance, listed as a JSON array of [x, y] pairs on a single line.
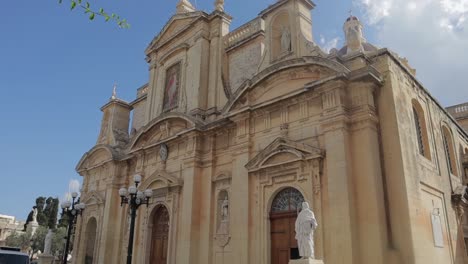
[[282, 151], [97, 156], [161, 179], [164, 127], [282, 79]]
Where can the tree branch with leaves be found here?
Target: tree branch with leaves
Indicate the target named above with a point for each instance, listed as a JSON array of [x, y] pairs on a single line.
[[92, 13]]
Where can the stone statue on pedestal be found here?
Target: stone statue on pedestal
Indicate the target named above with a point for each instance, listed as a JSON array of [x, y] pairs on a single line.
[[48, 242], [305, 227], [34, 215]]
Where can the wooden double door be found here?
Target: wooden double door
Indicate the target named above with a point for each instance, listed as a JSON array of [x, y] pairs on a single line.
[[159, 236], [283, 241]]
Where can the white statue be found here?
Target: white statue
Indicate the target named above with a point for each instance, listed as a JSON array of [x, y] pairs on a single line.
[[305, 227], [219, 5], [285, 39], [225, 209], [34, 215], [223, 228], [48, 242]]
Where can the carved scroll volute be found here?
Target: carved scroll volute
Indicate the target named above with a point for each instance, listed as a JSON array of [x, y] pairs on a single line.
[[317, 175]]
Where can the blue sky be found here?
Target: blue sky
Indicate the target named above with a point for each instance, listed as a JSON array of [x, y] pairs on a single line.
[[57, 69]]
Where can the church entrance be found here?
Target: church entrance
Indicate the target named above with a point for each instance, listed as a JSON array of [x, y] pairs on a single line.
[[159, 236], [283, 214]]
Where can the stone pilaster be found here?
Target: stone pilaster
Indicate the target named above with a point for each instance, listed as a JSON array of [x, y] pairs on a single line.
[[367, 175], [219, 28], [188, 238], [240, 192], [338, 170]]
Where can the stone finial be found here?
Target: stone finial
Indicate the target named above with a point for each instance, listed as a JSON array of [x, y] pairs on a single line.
[[184, 6], [114, 92], [219, 5]]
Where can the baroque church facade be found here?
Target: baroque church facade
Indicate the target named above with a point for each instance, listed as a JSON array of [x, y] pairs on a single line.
[[234, 129]]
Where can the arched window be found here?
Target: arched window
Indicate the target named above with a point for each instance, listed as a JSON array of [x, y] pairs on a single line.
[[421, 130], [449, 150], [287, 200]]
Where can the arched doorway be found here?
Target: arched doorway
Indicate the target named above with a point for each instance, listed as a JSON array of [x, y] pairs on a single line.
[[159, 236], [90, 240], [283, 214]]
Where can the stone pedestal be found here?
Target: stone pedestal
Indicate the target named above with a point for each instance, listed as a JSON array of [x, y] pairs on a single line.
[[46, 259], [306, 261], [33, 227]]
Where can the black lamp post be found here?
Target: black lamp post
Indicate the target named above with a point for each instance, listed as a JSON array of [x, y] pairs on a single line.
[[134, 199], [71, 210]]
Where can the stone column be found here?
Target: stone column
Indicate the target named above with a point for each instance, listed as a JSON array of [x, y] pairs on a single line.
[[340, 234]]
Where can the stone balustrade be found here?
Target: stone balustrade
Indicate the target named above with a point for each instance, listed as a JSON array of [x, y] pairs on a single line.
[[244, 32], [461, 108]]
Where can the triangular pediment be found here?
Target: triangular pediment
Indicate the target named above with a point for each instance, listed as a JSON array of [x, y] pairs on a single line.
[[282, 151], [176, 25], [161, 180]]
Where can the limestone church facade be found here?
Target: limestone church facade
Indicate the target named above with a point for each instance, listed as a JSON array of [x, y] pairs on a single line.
[[235, 128]]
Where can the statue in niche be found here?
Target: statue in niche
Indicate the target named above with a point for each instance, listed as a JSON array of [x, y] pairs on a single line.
[[305, 227], [285, 39], [224, 223]]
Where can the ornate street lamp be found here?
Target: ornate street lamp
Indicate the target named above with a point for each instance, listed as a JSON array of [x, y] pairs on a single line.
[[71, 210], [134, 199]]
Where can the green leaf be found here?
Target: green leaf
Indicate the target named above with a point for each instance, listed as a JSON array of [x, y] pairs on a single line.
[[101, 10], [79, 1], [91, 16], [60, 1], [73, 5], [87, 5]]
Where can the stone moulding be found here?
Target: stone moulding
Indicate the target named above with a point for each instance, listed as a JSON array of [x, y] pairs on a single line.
[[82, 164], [191, 122], [281, 145], [280, 66]]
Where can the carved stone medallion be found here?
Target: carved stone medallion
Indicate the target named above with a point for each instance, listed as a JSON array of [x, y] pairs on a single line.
[[163, 152]]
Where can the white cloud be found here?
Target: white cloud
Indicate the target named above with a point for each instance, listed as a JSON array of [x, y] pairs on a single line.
[[327, 45], [432, 34]]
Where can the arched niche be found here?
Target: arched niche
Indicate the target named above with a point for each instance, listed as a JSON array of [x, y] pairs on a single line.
[[281, 40]]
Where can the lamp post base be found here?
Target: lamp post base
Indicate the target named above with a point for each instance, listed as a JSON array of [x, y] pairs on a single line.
[[46, 259]]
